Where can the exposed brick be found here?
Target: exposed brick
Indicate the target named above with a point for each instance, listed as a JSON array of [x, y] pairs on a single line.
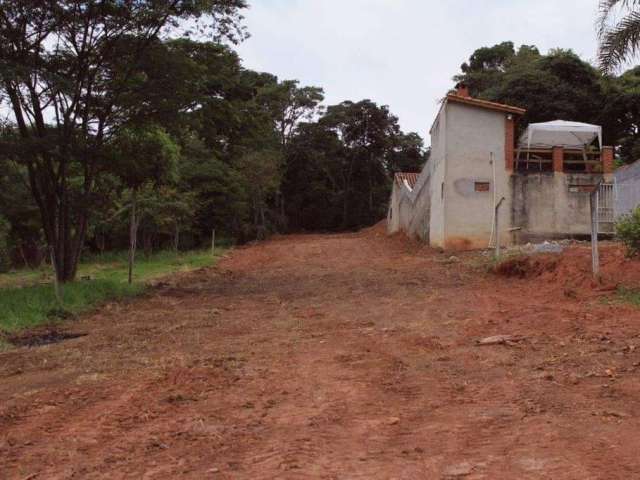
[[462, 90], [558, 159], [509, 142], [608, 160]]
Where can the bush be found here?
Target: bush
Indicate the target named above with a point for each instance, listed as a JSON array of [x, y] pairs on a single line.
[[5, 258], [628, 231]]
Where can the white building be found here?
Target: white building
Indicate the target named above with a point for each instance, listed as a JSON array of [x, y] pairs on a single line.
[[541, 189]]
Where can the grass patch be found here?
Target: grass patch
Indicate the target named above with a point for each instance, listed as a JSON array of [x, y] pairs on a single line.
[[27, 298], [628, 295]]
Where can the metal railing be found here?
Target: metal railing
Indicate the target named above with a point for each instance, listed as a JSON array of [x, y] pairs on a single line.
[[606, 204]]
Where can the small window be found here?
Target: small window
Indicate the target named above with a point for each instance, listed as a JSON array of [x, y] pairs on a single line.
[[482, 186], [581, 188], [442, 190]]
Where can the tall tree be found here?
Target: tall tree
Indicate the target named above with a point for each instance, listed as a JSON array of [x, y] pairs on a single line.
[[558, 85], [65, 67], [339, 169], [291, 104], [142, 156]]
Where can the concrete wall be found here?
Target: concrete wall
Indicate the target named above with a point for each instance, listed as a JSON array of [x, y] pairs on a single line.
[[393, 214], [418, 213], [446, 210], [551, 205], [409, 210], [627, 189], [476, 138], [437, 166]]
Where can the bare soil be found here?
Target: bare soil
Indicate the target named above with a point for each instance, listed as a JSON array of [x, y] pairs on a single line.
[[338, 357]]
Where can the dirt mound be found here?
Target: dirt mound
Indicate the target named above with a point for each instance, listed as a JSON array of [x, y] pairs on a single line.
[[526, 266], [572, 269], [376, 230]]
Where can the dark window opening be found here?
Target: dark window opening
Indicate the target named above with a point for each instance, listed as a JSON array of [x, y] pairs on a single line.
[[482, 186]]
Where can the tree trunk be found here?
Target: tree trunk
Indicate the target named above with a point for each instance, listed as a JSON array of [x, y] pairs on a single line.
[[133, 233], [147, 242], [176, 237]]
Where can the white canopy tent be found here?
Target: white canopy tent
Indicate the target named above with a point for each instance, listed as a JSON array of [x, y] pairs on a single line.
[[560, 133]]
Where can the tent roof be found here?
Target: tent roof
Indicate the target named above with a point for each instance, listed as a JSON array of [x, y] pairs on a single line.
[[561, 133]]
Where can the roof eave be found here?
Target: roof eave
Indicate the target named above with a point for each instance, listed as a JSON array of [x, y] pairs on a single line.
[[486, 104]]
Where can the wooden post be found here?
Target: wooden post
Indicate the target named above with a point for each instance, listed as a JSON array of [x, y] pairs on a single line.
[[595, 257], [213, 242], [497, 227], [133, 234]]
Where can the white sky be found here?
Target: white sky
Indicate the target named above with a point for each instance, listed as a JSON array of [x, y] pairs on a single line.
[[402, 53]]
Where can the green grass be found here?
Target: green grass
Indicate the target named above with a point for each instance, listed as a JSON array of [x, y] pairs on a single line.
[[27, 298], [628, 295]]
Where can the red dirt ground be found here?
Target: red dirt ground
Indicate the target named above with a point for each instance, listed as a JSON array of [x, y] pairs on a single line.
[[336, 357]]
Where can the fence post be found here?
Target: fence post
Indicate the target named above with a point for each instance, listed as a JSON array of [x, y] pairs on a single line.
[[595, 258]]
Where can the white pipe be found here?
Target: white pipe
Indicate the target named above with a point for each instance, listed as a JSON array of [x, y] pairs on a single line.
[[495, 198]]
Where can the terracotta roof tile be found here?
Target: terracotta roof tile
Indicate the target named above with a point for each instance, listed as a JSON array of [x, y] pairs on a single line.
[[411, 178], [476, 102]]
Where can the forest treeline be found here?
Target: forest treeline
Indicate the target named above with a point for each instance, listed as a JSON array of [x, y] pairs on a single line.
[[136, 124], [170, 138]]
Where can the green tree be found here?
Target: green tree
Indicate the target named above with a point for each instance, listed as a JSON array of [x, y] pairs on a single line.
[[261, 178], [622, 111], [143, 156], [618, 33], [291, 104], [339, 169], [5, 255], [558, 85], [66, 68]]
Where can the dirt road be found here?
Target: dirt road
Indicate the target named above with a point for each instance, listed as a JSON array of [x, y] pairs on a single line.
[[331, 357]]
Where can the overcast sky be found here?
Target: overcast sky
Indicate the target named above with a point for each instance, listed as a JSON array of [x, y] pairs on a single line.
[[402, 53]]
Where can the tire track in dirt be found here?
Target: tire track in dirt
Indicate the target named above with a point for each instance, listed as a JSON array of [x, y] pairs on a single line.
[[331, 357]]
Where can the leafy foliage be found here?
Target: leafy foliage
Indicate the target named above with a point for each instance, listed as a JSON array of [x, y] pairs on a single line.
[[620, 38], [5, 260], [68, 70], [558, 85], [628, 230]]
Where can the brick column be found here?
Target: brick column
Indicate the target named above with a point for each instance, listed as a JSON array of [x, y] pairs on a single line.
[[509, 142], [607, 160], [558, 159]]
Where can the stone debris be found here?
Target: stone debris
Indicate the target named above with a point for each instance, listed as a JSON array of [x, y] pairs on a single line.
[[499, 340]]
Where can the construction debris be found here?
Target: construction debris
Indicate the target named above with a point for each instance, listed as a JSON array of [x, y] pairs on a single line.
[[499, 340]]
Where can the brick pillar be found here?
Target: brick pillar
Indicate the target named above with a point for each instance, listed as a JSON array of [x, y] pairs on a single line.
[[558, 159], [607, 159], [462, 90], [509, 142]]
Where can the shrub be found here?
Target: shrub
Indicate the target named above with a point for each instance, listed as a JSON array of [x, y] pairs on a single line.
[[628, 231], [5, 259]]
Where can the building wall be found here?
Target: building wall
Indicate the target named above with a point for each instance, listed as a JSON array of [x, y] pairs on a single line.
[[551, 205], [435, 176], [475, 139], [418, 213], [627, 180], [446, 209], [393, 214]]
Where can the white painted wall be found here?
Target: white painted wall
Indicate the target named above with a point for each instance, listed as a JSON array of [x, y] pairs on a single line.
[[437, 166], [464, 139], [475, 136]]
